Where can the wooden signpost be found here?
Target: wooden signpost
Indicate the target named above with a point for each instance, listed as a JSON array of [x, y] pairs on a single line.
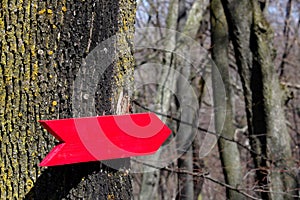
[[104, 137]]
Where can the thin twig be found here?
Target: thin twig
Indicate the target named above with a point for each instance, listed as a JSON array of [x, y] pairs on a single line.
[[199, 128], [204, 175]]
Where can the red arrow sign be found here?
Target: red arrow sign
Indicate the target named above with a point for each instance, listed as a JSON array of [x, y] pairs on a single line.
[[104, 137]]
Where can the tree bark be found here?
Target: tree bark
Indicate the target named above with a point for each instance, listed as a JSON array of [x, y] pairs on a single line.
[[42, 48], [252, 39], [239, 17], [283, 179], [229, 153]]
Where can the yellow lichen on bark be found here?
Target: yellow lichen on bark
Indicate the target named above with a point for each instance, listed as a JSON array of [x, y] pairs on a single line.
[[33, 43], [25, 93], [125, 60]]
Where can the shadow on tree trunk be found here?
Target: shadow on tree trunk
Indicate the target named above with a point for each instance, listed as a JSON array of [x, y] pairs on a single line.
[[59, 182]]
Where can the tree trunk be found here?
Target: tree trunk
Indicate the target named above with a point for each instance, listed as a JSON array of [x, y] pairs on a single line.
[[185, 133], [150, 182], [229, 153], [42, 49], [187, 102], [252, 39], [283, 178]]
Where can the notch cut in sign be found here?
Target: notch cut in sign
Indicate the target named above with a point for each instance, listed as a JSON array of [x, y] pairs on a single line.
[[104, 137]]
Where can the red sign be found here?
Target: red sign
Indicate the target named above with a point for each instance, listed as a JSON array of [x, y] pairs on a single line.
[[104, 137]]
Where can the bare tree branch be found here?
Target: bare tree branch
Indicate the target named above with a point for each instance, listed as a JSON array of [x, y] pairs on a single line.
[[199, 128], [204, 175]]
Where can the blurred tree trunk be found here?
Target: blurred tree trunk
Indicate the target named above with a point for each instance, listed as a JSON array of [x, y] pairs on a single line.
[[229, 153], [185, 182], [189, 27], [170, 83], [150, 182], [184, 134], [42, 47], [269, 138]]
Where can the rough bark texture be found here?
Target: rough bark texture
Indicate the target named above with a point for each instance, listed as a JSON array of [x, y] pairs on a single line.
[[252, 39], [42, 47], [283, 179], [229, 153], [239, 16]]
